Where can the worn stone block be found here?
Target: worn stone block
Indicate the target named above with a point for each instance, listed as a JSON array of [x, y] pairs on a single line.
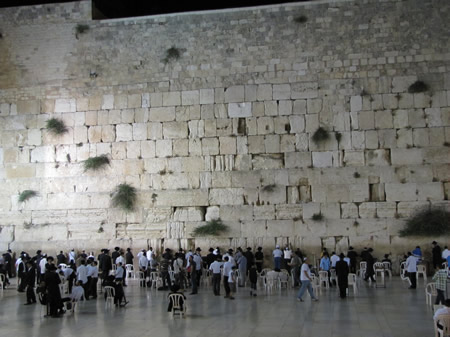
[[281, 91], [154, 130], [163, 148], [236, 110], [355, 103], [175, 130], [28, 107], [171, 98], [124, 132], [190, 97], [108, 102], [401, 192], [226, 196], [264, 92], [210, 146], [206, 96], [267, 161], [162, 114]]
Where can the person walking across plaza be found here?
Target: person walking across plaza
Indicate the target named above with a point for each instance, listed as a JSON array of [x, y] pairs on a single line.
[[440, 278], [305, 278]]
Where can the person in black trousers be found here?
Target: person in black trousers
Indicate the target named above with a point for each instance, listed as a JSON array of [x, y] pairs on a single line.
[[342, 271], [30, 277], [370, 261]]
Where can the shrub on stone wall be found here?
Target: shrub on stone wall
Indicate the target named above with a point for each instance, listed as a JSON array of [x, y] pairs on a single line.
[[96, 163], [417, 86], [81, 29], [320, 135], [124, 197], [212, 228], [172, 54], [26, 195], [56, 126], [428, 222]]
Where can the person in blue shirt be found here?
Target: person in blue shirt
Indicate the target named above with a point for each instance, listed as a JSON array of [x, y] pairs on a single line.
[[417, 252], [325, 265]]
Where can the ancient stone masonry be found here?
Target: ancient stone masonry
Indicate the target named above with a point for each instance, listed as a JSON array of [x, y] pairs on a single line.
[[254, 116]]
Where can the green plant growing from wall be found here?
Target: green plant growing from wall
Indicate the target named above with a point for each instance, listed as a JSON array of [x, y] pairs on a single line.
[[427, 222], [317, 217], [269, 188], [301, 19], [212, 228], [96, 163], [356, 175], [320, 135], [124, 197], [56, 126], [81, 29], [172, 54], [338, 136], [26, 195], [417, 87]]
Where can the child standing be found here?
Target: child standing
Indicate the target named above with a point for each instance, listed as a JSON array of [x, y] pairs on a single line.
[[232, 282]]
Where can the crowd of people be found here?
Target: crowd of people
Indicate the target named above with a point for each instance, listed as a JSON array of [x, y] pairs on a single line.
[[183, 270]]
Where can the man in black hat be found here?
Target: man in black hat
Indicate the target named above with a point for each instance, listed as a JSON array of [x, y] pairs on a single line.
[[352, 255], [210, 258], [370, 261], [115, 254], [129, 257], [106, 264], [437, 254], [250, 258], [8, 262], [259, 259], [342, 271], [30, 278]]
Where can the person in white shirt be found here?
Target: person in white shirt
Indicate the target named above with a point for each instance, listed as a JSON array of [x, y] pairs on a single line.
[[226, 272], [445, 253], [82, 276], [442, 311], [72, 256], [92, 279], [232, 282], [77, 292], [334, 258], [120, 272], [150, 255], [287, 255], [42, 264], [305, 278], [198, 265], [178, 271], [216, 268], [347, 259], [277, 254], [411, 268]]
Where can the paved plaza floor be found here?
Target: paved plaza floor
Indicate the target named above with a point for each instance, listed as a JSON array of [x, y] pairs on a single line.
[[394, 311]]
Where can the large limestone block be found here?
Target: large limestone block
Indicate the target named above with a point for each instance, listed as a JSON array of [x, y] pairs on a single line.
[[162, 114], [279, 228], [386, 210], [267, 161], [401, 83], [68, 201], [240, 110], [28, 107], [226, 196], [234, 94], [124, 132], [322, 159], [272, 194], [43, 154], [175, 130], [304, 90], [349, 210], [297, 159], [236, 213], [406, 156], [191, 97], [355, 103], [253, 228], [331, 210], [139, 131], [368, 210], [272, 143], [264, 92], [289, 212], [108, 102], [210, 146], [163, 148], [359, 192], [206, 96], [439, 155], [336, 228], [264, 212], [430, 191], [43, 233], [378, 157], [6, 235], [176, 198], [244, 179], [281, 91], [353, 158], [212, 213], [95, 134], [401, 192], [171, 98]]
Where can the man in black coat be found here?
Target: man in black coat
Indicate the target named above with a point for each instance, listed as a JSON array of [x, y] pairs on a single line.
[[60, 258], [352, 255], [370, 261], [30, 277], [106, 264], [52, 282], [115, 254], [437, 255], [8, 262], [129, 257], [342, 271], [250, 258]]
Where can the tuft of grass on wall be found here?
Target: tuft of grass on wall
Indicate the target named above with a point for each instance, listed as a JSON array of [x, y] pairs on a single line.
[[317, 217], [96, 163], [81, 29], [320, 135], [56, 126], [172, 54], [418, 86], [124, 197], [212, 228], [26, 195], [269, 188], [428, 222], [301, 19]]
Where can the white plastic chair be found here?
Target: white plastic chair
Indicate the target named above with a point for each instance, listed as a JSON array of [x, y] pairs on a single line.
[[444, 321], [110, 295], [352, 282], [362, 269], [283, 278], [333, 276], [323, 278], [422, 269], [178, 304], [403, 274], [2, 281], [129, 268], [430, 291], [271, 281], [315, 283], [378, 268], [155, 279], [387, 268]]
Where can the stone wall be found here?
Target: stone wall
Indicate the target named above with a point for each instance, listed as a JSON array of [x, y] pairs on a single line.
[[225, 129]]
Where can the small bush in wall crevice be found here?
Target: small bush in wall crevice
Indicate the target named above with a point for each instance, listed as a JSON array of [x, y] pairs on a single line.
[[317, 217], [56, 126], [417, 87], [96, 163], [172, 54], [26, 195], [124, 197], [320, 135], [212, 228], [301, 19], [428, 222]]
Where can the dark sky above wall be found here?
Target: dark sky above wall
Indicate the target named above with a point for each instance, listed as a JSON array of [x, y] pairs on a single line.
[[128, 8]]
